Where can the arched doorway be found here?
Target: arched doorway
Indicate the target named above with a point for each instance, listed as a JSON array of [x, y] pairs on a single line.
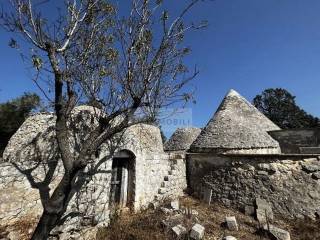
[[122, 179]]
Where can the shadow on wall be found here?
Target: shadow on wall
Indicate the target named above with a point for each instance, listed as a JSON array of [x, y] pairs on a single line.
[[44, 175]]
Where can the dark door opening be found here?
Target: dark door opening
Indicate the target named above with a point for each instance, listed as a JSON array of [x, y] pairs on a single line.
[[121, 192]]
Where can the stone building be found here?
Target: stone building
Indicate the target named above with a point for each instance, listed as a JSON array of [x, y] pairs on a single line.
[[237, 127], [235, 159], [137, 171], [181, 139]]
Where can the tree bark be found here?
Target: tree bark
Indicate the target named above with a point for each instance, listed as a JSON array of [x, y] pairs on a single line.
[[46, 223], [56, 206]]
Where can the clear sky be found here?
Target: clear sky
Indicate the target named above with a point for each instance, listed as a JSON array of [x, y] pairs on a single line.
[[249, 45]]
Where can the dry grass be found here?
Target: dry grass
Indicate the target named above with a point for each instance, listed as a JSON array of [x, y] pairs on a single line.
[[147, 225], [142, 226], [305, 230], [212, 218]]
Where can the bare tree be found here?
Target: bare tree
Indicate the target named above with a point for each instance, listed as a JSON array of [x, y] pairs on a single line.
[[128, 67]]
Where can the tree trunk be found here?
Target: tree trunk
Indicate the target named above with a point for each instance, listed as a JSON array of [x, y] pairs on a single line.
[[55, 207], [46, 223]]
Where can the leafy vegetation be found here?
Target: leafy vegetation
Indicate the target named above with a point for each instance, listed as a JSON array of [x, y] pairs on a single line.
[[280, 107], [13, 113], [129, 65]]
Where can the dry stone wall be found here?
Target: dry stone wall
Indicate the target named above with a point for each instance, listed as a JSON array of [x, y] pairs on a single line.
[[90, 204], [153, 165], [15, 201], [174, 181], [291, 185], [32, 163]]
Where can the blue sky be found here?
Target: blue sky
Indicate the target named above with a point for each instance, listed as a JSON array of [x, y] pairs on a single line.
[[249, 45]]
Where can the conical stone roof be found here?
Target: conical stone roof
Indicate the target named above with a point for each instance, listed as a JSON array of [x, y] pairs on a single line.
[[181, 139], [237, 124]]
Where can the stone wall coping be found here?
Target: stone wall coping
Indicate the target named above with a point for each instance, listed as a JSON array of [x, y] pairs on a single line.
[[221, 150], [272, 155], [303, 155], [296, 129]]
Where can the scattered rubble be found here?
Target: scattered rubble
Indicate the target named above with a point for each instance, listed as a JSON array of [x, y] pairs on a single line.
[[232, 223], [179, 230], [277, 233], [264, 213], [207, 195], [310, 165], [172, 221], [197, 232], [174, 204], [229, 238], [175, 221]]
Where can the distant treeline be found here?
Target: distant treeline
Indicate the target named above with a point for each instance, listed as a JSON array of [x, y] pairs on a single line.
[[13, 113], [280, 106]]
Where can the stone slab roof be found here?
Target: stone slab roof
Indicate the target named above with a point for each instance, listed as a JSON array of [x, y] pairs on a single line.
[[237, 124], [181, 139]]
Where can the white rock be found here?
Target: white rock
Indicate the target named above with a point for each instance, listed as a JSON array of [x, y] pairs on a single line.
[[229, 238], [197, 232], [278, 233], [232, 223], [264, 215], [179, 230], [207, 196], [174, 205], [264, 211]]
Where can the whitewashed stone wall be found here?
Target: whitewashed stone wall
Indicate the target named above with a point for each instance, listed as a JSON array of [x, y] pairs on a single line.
[[34, 147], [177, 175], [150, 173], [17, 198], [253, 151]]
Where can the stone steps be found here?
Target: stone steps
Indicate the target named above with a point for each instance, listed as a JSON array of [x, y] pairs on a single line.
[[169, 183]]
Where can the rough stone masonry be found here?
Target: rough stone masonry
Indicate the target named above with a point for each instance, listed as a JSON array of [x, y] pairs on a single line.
[[233, 157], [32, 166]]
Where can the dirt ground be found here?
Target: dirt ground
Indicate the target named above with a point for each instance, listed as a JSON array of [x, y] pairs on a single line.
[[148, 225]]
